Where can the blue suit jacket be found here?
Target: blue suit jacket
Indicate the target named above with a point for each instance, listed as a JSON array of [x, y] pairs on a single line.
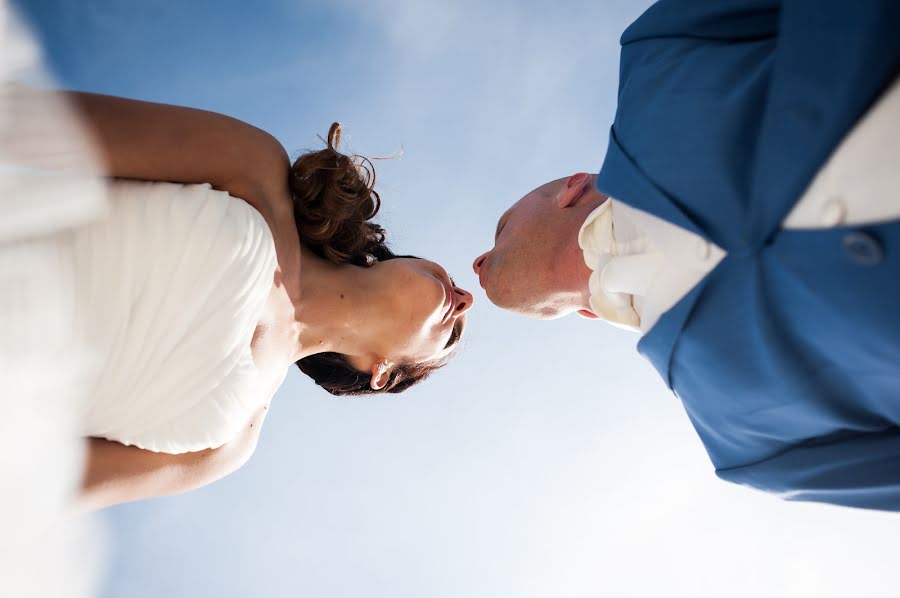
[[787, 355]]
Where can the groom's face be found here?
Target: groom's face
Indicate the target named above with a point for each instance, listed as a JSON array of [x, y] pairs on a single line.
[[516, 274]]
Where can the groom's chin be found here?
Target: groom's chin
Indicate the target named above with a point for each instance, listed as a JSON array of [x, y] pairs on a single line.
[[523, 306], [536, 312]]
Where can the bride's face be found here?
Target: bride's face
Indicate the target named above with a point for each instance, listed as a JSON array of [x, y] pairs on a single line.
[[421, 311]]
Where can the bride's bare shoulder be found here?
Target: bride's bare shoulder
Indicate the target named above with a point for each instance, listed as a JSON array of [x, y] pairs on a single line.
[[287, 240]]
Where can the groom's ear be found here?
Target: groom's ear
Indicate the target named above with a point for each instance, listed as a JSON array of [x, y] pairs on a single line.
[[575, 188], [586, 313]]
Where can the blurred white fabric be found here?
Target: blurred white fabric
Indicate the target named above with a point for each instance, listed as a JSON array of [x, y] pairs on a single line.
[[46, 549]]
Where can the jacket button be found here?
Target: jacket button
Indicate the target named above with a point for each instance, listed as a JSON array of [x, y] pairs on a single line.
[[701, 250], [863, 248], [833, 212]]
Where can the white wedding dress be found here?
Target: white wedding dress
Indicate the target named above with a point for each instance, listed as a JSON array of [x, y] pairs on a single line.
[[169, 289]]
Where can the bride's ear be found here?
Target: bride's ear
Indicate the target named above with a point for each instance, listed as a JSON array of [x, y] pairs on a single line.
[[381, 373]]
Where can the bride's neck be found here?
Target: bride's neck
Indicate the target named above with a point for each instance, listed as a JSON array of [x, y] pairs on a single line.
[[332, 306]]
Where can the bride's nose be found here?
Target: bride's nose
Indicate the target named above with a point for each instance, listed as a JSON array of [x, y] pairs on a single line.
[[464, 301]]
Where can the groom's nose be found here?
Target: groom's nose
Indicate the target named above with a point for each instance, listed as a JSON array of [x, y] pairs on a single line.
[[476, 265]]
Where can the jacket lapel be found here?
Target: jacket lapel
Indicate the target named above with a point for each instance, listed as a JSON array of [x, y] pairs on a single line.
[[659, 342]]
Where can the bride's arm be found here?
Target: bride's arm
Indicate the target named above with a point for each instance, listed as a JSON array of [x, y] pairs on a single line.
[[116, 473], [160, 142]]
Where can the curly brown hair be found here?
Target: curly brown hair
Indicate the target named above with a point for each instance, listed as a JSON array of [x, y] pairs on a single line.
[[334, 201]]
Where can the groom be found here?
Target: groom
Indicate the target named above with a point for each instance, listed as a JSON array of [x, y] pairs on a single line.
[[746, 222]]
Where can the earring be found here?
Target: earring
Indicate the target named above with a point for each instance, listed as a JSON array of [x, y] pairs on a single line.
[[381, 368]]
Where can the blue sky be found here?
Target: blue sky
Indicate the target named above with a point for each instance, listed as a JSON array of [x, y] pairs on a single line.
[[547, 459]]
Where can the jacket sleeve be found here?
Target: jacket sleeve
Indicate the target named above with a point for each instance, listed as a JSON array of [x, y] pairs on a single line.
[[722, 20], [794, 76], [832, 60], [738, 20], [861, 471]]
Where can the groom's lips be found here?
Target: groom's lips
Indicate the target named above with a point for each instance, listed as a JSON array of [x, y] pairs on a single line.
[[481, 270]]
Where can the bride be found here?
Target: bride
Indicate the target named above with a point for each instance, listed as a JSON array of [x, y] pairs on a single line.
[[195, 302]]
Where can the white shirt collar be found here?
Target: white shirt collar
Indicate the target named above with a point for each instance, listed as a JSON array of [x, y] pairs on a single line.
[[598, 244]]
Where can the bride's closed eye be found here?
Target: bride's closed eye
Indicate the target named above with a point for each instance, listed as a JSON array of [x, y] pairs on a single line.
[[455, 334]]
